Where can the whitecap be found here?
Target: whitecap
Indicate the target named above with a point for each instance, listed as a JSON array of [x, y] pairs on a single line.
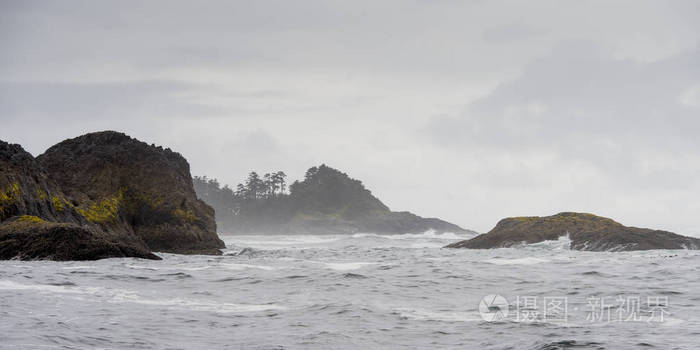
[[519, 261], [137, 267], [128, 296], [193, 304], [427, 245], [443, 316], [429, 234], [365, 235], [668, 321], [279, 241], [562, 243], [78, 267], [47, 288], [239, 267], [192, 268], [346, 266]]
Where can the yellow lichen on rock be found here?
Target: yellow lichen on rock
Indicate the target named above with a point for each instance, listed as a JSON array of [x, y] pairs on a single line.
[[30, 218], [9, 196], [57, 203], [104, 211], [41, 193], [566, 217], [11, 193], [526, 218], [154, 201], [185, 215]]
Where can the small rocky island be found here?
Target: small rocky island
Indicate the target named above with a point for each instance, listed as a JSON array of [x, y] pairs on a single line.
[[97, 196], [326, 201], [586, 232]]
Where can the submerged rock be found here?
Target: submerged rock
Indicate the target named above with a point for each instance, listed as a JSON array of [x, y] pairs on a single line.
[[586, 232]]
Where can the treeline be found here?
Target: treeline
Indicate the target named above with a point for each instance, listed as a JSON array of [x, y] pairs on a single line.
[[259, 200], [252, 192], [255, 187]]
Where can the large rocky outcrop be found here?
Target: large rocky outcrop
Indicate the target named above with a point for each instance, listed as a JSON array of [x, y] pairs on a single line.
[[100, 195], [586, 232], [126, 186], [327, 201], [38, 220]]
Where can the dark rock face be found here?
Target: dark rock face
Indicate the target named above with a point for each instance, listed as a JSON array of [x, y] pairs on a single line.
[[97, 196], [126, 186], [39, 221], [31, 238], [586, 231], [632, 238], [25, 188]]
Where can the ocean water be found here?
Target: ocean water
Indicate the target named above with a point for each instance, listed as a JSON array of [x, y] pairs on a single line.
[[360, 291]]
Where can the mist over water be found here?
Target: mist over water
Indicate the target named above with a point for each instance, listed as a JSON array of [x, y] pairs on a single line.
[[348, 292]]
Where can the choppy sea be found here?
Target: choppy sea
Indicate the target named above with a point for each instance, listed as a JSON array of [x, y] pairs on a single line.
[[361, 291]]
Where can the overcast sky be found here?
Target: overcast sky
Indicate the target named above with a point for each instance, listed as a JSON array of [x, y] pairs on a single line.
[[470, 111]]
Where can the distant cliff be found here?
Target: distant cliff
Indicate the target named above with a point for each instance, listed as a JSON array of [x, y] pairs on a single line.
[[586, 232], [326, 201], [100, 195]]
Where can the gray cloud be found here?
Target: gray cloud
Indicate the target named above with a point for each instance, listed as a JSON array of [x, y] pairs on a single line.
[[542, 106], [511, 32], [77, 102], [586, 105]]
